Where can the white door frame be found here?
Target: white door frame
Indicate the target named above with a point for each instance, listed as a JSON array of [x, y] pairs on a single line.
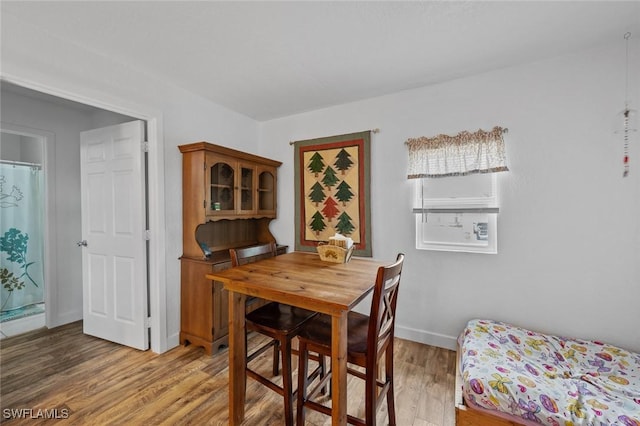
[[154, 119]]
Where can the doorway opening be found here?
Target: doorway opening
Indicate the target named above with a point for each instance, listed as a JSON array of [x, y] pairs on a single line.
[[62, 236]]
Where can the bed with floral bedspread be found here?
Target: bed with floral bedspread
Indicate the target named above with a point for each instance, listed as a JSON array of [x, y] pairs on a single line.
[[536, 378]]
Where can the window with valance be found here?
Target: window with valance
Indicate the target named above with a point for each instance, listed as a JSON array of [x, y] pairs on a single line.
[[456, 189]]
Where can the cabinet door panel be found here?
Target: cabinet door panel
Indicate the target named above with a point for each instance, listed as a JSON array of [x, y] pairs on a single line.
[[220, 304], [246, 188], [221, 315], [266, 191], [196, 300], [221, 182]]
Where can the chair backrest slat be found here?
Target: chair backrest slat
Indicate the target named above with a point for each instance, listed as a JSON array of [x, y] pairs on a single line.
[[242, 256]]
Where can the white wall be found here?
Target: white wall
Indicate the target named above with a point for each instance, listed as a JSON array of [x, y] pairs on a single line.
[[569, 233], [10, 147], [40, 60], [21, 148]]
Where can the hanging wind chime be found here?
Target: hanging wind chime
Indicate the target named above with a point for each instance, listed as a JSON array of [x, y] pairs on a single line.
[[628, 116]]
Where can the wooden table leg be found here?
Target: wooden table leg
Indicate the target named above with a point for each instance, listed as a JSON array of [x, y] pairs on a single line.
[[339, 369], [237, 358]]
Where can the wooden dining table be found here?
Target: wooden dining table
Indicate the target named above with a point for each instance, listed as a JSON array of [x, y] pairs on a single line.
[[298, 279]]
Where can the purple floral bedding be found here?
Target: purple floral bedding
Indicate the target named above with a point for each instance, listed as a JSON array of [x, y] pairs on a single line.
[[548, 379]]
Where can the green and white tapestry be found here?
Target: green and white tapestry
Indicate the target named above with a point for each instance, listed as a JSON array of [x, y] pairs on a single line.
[[332, 179]]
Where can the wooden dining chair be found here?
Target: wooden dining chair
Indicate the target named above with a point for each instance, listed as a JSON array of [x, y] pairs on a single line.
[[369, 339], [278, 321]]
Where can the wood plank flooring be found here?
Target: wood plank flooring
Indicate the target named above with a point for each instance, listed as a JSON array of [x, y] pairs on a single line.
[[83, 380]]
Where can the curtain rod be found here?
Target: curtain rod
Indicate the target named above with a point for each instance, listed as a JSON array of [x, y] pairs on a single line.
[[20, 163], [376, 130]]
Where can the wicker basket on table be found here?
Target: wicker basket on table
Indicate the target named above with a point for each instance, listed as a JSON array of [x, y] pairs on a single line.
[[334, 253]]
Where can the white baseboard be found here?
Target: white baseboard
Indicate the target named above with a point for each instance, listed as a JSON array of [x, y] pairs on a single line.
[[426, 337], [173, 341], [65, 318]]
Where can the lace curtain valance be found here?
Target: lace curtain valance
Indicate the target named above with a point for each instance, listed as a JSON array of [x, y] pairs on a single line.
[[462, 154]]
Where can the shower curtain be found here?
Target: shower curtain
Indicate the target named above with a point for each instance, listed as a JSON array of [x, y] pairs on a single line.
[[21, 236]]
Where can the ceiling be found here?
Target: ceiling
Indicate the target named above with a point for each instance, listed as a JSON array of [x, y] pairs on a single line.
[[273, 59]]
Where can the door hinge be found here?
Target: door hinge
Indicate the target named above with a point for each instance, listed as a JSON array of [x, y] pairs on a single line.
[[145, 146], [147, 235], [147, 322]]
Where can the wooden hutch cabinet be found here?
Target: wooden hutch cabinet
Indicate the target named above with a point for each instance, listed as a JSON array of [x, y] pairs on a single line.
[[228, 201]]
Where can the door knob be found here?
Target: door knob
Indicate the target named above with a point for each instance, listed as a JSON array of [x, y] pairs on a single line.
[[82, 243]]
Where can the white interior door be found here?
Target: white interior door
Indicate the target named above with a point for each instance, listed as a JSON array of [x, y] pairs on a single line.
[[114, 261]]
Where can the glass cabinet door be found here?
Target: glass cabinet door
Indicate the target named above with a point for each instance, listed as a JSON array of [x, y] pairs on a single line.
[[266, 191], [238, 188], [246, 188], [222, 187]]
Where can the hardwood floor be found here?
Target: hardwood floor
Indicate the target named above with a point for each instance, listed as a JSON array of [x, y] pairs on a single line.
[[66, 374]]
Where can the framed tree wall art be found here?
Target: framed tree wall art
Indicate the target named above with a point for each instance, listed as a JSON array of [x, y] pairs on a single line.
[[332, 194]]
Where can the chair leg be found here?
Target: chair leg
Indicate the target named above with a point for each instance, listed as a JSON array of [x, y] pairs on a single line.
[[287, 381], [370, 395], [302, 381], [391, 405], [276, 357]]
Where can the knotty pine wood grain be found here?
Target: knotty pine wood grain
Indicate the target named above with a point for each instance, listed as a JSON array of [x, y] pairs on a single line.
[[100, 383]]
